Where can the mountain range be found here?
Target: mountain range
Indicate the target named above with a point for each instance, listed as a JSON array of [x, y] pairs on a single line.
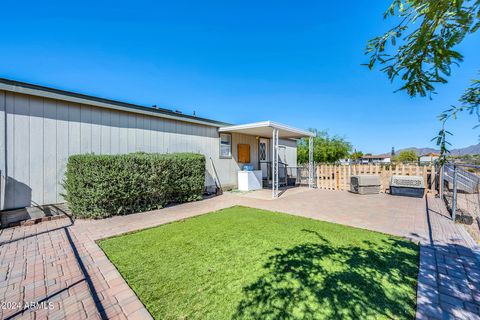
[[473, 149]]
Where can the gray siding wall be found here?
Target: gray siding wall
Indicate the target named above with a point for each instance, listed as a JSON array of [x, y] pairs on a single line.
[[37, 135], [290, 151]]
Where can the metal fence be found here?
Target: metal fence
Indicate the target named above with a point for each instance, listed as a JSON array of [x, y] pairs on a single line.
[[300, 174], [460, 185]]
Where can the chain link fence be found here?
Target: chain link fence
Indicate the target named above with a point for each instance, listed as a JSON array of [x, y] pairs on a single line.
[[300, 175], [459, 188]]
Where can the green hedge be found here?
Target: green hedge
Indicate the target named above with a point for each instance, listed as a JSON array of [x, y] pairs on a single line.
[[99, 186]]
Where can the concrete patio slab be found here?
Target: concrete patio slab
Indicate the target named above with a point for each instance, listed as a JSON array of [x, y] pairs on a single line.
[[379, 212], [56, 270]]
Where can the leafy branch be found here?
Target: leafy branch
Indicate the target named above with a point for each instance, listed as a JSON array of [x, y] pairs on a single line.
[[470, 102], [428, 31]]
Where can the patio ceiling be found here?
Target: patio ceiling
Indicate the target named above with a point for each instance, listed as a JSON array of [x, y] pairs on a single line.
[[265, 128]]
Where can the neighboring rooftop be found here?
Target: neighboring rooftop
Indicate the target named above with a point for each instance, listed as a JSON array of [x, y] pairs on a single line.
[[376, 157]]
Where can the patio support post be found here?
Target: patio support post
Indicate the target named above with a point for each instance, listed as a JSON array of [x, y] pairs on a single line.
[[275, 163], [277, 184], [310, 163]]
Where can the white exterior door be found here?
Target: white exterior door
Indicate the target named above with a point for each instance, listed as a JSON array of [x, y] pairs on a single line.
[[264, 156]]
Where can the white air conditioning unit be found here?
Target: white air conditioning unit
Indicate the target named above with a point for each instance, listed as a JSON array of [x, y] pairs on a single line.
[[410, 186]]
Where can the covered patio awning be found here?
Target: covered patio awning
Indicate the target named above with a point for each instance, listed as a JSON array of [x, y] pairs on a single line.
[[265, 128], [275, 130]]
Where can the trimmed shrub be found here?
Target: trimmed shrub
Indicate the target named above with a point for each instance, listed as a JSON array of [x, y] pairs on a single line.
[[99, 186]]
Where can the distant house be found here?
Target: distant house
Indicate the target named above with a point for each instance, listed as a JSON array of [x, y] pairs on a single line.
[[345, 162], [428, 157], [375, 159]]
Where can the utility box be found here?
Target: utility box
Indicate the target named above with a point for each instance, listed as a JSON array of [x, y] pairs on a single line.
[[409, 186], [365, 184], [249, 180]]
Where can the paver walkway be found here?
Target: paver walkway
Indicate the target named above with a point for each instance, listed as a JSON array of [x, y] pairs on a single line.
[[449, 275], [56, 270]]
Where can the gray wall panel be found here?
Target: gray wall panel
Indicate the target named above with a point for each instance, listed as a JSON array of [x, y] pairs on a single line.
[[115, 133], [62, 146], [10, 151], [291, 151], [36, 166], [123, 133], [105, 146], [21, 154], [85, 129], [96, 130], [3, 160], [132, 123], [50, 152], [74, 130]]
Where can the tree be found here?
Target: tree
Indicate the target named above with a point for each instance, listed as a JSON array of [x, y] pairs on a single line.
[[325, 148], [428, 32], [355, 155], [406, 156]]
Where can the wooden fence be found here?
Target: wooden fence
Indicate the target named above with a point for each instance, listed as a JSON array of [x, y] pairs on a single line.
[[337, 177]]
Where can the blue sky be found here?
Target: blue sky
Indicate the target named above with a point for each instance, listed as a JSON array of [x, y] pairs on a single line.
[[237, 61]]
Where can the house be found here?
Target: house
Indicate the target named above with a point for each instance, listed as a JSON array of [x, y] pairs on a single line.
[[41, 127], [376, 159], [428, 157], [345, 161]]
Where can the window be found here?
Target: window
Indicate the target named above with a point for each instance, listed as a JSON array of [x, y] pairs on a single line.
[[263, 151], [225, 145]]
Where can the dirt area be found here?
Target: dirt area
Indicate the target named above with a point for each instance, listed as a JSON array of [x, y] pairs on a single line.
[[474, 231]]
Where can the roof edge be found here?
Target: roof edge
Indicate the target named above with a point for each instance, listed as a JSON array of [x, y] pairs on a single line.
[[267, 123], [58, 94]]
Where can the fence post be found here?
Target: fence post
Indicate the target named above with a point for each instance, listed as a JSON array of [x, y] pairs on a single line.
[[319, 184], [454, 198], [433, 178], [425, 179], [337, 177], [440, 182]]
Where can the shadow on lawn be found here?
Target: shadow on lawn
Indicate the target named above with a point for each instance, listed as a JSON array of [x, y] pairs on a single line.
[[320, 280]]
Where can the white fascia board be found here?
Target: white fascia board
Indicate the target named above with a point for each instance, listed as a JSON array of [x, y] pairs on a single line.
[[291, 129], [270, 124], [252, 125]]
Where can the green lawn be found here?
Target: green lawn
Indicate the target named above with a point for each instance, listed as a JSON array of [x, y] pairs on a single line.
[[244, 263]]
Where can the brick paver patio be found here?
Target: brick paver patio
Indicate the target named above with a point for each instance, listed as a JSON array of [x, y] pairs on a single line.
[[56, 270], [449, 275]]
